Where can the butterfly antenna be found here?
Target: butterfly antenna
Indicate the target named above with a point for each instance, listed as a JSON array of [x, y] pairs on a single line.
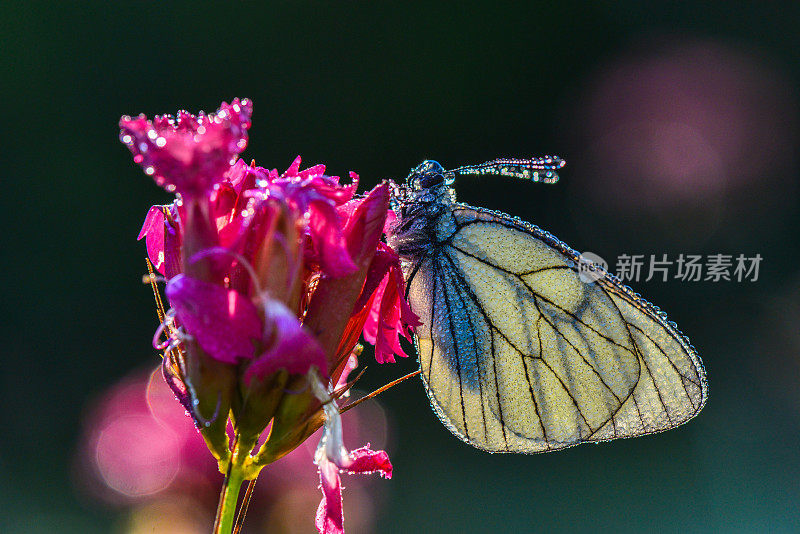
[[379, 390], [544, 169], [339, 393]]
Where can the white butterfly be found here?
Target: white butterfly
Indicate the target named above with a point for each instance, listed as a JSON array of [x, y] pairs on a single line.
[[517, 353]]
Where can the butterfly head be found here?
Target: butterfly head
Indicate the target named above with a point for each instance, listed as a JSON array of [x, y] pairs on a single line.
[[428, 175]]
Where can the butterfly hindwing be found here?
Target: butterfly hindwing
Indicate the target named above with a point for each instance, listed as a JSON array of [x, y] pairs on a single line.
[[519, 355]]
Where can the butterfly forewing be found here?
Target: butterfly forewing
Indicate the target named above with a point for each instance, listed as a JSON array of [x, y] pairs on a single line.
[[519, 355]]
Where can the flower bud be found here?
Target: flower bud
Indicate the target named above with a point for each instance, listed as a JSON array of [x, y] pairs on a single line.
[[299, 414], [257, 405], [363, 232], [210, 383]]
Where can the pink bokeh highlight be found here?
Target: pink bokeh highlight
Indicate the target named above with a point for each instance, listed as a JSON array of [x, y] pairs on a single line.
[[683, 122], [140, 452]]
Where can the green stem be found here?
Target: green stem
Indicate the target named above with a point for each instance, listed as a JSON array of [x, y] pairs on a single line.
[[229, 498]]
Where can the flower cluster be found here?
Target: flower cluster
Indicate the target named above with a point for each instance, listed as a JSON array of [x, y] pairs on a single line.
[[272, 278]]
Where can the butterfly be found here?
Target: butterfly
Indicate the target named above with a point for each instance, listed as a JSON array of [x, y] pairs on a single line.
[[518, 351]]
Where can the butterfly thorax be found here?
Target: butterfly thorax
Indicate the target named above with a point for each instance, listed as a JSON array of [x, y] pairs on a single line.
[[418, 204]]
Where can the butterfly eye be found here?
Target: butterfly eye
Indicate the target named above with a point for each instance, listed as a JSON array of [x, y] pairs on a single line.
[[427, 174], [431, 180]]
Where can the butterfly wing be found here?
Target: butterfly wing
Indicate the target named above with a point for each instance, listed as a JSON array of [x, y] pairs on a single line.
[[519, 355]]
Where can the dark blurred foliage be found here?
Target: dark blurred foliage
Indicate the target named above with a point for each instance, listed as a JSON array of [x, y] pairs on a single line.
[[679, 125]]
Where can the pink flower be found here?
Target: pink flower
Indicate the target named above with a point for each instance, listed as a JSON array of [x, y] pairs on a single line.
[[272, 278], [330, 516], [313, 193], [332, 457], [191, 153]]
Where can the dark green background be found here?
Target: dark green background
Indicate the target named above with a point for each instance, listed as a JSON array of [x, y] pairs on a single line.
[[376, 90]]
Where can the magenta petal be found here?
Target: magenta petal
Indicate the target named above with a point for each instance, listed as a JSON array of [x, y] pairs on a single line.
[[173, 241], [314, 170], [190, 154], [407, 317], [384, 324], [163, 239], [153, 229], [353, 187], [224, 322], [390, 315], [326, 234], [328, 186], [366, 461], [378, 329], [349, 367], [153, 219], [391, 219], [293, 168], [380, 265], [292, 346], [223, 199], [237, 173], [330, 516]]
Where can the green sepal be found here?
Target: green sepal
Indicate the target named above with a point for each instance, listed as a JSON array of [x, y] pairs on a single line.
[[210, 384], [257, 403], [298, 416]]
